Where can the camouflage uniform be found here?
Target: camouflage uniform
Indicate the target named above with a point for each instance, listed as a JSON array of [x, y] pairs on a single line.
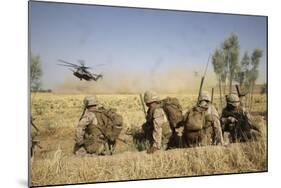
[[157, 123], [211, 133], [89, 140], [237, 121]]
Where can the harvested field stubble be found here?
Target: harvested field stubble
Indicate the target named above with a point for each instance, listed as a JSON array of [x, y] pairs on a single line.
[[57, 115]]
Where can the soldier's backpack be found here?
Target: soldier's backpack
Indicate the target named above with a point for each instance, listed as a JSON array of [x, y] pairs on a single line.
[[195, 120], [109, 122], [173, 110]]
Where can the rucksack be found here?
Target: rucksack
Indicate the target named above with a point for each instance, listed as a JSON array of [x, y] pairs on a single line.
[[109, 122], [173, 110], [195, 120]]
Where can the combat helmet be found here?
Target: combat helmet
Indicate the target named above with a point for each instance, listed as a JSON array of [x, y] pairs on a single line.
[[203, 104], [90, 101], [233, 100], [205, 96], [150, 96]]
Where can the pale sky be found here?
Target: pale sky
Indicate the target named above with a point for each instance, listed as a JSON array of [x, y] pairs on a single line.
[[135, 40]]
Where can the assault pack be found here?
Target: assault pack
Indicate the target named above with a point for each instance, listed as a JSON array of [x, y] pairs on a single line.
[[173, 110], [109, 122], [195, 119]]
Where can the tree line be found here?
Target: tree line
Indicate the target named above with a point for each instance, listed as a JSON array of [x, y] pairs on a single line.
[[35, 73], [229, 68]]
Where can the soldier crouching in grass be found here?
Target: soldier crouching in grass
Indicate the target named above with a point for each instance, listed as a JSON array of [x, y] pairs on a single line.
[[157, 124], [202, 125], [236, 120], [97, 130]]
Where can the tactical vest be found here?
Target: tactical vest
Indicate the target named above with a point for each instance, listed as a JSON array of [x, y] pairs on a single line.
[[196, 120], [198, 127], [243, 121]]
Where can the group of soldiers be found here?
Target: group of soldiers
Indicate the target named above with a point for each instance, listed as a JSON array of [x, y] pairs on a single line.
[[201, 125]]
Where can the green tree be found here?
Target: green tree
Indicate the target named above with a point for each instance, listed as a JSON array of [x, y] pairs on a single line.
[[218, 65], [231, 53], [243, 70], [35, 72], [254, 72]]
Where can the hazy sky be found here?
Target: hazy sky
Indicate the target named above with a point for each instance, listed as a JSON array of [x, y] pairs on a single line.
[[134, 40]]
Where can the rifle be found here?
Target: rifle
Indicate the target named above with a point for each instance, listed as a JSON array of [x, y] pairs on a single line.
[[202, 79], [143, 106], [220, 94], [212, 96], [33, 125], [238, 92], [239, 127], [240, 95], [83, 113]]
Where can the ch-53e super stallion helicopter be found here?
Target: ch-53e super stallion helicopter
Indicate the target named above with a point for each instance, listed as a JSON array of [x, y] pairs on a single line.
[[81, 71]]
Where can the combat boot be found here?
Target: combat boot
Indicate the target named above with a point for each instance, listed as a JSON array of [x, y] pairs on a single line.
[[151, 150]]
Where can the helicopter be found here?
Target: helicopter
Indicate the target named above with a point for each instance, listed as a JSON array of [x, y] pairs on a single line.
[[81, 71]]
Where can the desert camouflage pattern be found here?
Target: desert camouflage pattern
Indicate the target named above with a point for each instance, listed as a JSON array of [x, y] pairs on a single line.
[[151, 96], [213, 118], [158, 123], [205, 96], [211, 133], [160, 132], [88, 138]]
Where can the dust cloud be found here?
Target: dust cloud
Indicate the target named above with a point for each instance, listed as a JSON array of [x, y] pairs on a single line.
[[179, 79]]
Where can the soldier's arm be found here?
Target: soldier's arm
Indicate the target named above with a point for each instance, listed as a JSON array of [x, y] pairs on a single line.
[[159, 118], [228, 117], [80, 130], [223, 117], [185, 119], [248, 117], [247, 114], [218, 130]]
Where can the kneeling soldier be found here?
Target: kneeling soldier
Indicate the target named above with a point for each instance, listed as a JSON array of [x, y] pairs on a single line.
[[97, 130], [156, 122], [237, 121], [201, 124]]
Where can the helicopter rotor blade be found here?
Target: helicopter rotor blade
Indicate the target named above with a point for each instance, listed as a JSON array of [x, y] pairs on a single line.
[[91, 67], [65, 62], [65, 65]]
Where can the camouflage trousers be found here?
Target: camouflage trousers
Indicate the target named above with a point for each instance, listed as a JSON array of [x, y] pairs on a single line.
[[161, 136], [93, 147], [197, 138], [243, 135], [81, 152], [203, 137], [217, 136]]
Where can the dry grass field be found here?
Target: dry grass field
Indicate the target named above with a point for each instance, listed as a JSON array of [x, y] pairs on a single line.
[[56, 115]]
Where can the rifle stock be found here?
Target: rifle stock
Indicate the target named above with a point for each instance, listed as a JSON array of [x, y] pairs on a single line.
[[200, 89], [33, 125], [238, 90], [212, 96], [142, 103], [84, 110], [202, 79]]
